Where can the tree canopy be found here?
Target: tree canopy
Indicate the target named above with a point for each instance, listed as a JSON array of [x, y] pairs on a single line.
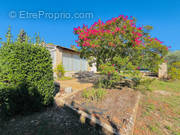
[[173, 57], [122, 43]]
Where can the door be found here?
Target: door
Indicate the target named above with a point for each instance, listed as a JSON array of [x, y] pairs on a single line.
[[67, 62], [76, 63], [73, 62]]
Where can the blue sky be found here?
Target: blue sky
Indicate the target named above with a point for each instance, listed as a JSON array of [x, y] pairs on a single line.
[[163, 15]]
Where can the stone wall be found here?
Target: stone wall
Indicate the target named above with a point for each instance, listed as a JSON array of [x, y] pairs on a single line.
[[163, 71], [58, 56]]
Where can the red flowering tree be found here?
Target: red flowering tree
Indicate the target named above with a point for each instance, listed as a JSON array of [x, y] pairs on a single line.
[[120, 42]]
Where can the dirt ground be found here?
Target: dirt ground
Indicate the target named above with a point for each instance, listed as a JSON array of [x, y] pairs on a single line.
[[53, 121], [75, 84], [115, 109]]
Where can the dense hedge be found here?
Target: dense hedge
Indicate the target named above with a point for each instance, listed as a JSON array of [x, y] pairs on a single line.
[[26, 77]]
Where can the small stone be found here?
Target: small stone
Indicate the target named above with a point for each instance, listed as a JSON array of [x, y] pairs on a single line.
[[68, 90], [162, 92], [12, 120], [82, 119]]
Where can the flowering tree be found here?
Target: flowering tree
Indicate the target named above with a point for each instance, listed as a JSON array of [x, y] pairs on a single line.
[[120, 42]]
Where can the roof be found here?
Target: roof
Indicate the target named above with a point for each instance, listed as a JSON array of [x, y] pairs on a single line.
[[64, 48]]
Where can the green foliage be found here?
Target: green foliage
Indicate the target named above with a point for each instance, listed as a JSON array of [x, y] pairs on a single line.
[[22, 36], [110, 76], [73, 47], [171, 85], [26, 75], [19, 99], [153, 128], [148, 27], [119, 38], [60, 71], [174, 71], [91, 61], [144, 84], [65, 78], [94, 94], [119, 48], [173, 57], [8, 36]]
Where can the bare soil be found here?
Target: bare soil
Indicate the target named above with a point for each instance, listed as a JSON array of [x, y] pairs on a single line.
[[115, 109], [75, 84], [53, 121]]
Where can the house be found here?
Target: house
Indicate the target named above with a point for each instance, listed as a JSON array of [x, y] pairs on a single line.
[[69, 58]]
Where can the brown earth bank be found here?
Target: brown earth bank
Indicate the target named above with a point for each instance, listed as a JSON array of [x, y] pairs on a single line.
[[115, 109]]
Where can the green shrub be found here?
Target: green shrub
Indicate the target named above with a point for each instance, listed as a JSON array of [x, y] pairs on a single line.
[[174, 71], [19, 100], [26, 77], [60, 71], [110, 77], [144, 84], [94, 94]]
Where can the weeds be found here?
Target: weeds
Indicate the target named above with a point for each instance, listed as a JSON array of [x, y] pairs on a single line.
[[154, 128], [94, 94], [65, 78]]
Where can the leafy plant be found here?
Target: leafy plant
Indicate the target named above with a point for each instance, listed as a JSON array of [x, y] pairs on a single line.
[[26, 76], [173, 57], [60, 71], [110, 77], [174, 71], [144, 84], [100, 93], [120, 38], [19, 99], [121, 47], [94, 94], [73, 47]]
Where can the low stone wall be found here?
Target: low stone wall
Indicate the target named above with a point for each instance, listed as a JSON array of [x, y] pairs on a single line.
[[163, 71]]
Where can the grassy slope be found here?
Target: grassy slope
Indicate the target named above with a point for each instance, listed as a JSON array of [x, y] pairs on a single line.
[[159, 111]]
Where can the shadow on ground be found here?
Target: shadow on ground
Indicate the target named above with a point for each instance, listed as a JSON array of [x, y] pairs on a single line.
[[52, 121]]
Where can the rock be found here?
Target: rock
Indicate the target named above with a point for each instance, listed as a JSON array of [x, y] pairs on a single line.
[[162, 92], [68, 90], [13, 120]]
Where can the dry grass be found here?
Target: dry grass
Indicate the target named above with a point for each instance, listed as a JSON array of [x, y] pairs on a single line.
[[159, 111]]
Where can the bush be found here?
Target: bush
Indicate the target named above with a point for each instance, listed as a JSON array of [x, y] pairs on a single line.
[[173, 57], [144, 84], [60, 71], [174, 71], [26, 77], [19, 100], [110, 77]]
